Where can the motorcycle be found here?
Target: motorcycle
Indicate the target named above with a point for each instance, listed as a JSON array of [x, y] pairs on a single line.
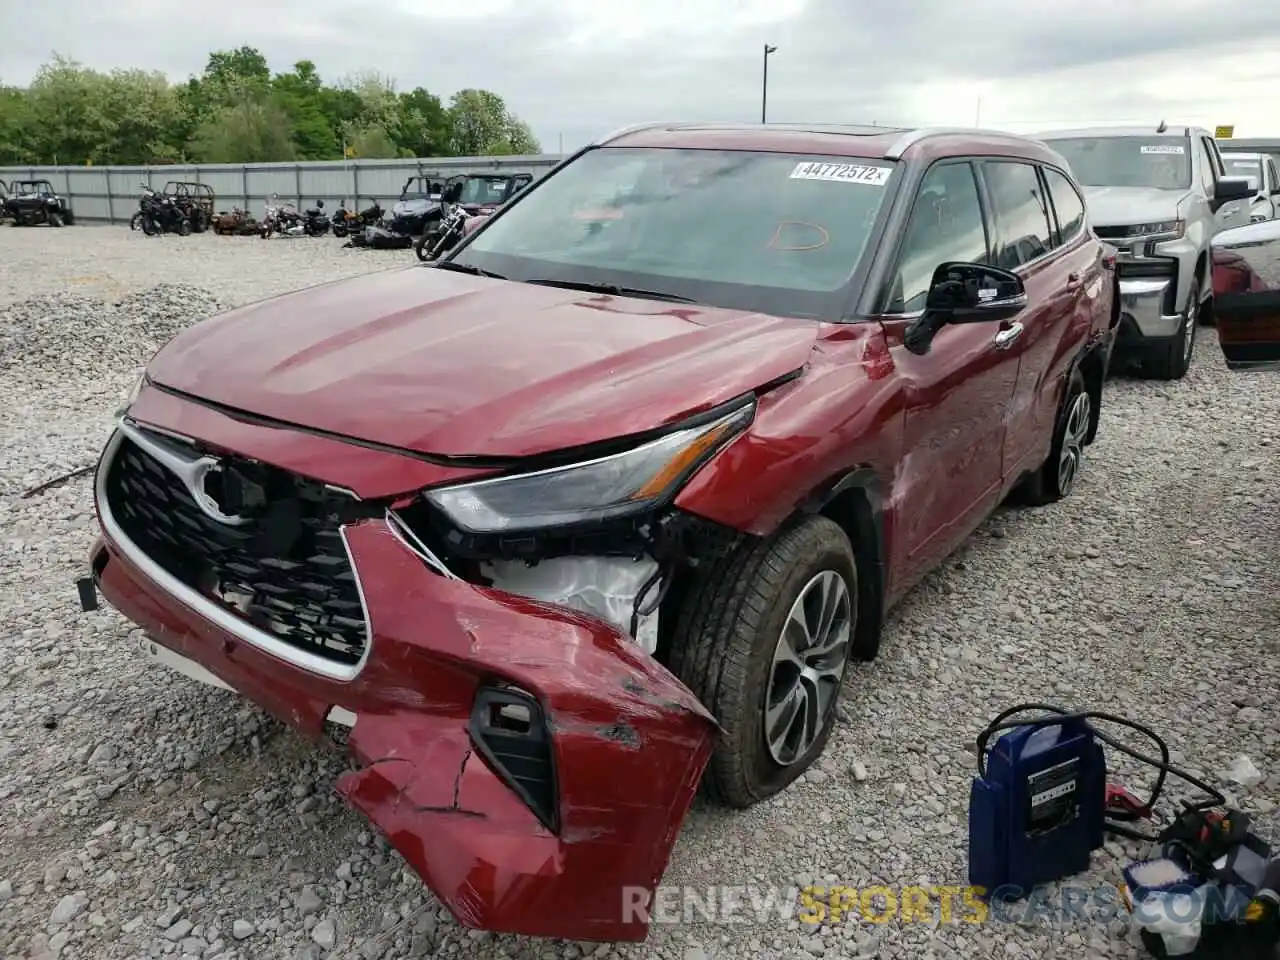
[[315, 222], [450, 228], [368, 219], [280, 217], [158, 213], [350, 223]]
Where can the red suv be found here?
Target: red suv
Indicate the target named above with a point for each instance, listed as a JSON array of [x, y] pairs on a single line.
[[616, 491]]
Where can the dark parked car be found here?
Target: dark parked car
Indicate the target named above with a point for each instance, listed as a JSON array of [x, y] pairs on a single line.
[[32, 202], [614, 493], [1246, 290]]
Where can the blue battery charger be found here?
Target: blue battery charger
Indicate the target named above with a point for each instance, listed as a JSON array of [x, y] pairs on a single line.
[[1037, 809]]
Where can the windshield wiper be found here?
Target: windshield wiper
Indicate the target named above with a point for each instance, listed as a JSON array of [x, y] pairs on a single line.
[[467, 268], [613, 290]]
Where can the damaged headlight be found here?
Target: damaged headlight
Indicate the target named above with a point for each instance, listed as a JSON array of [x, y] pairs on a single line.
[[611, 486]]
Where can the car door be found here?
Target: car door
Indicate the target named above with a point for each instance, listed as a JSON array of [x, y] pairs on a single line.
[[1246, 294], [956, 395], [1061, 271], [1233, 214], [1273, 185]]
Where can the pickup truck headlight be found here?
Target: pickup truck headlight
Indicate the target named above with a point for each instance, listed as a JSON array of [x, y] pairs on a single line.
[[613, 486], [1159, 230]]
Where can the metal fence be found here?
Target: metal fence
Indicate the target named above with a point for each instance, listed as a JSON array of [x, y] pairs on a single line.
[[110, 194]]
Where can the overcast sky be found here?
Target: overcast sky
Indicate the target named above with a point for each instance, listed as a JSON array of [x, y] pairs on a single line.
[[578, 68]]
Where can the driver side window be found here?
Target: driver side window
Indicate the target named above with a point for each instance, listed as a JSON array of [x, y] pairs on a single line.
[[946, 224]]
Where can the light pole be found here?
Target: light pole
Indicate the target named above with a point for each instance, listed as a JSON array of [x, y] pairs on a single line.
[[764, 83]]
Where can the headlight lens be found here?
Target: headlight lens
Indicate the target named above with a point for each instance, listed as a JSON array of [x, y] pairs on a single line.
[[595, 490], [1167, 229]]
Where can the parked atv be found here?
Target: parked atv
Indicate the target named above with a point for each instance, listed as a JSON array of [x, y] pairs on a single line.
[[32, 202], [159, 213], [4, 196], [237, 223], [195, 200]]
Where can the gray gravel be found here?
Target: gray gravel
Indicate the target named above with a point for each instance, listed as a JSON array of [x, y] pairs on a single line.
[[144, 816]]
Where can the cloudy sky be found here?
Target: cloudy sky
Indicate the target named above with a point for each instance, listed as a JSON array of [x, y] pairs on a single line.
[[578, 68]]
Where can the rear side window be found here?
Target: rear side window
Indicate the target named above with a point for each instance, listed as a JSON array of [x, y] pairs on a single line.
[[1023, 225], [1066, 203]]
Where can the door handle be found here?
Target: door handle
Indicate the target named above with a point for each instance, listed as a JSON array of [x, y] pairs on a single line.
[[1009, 334]]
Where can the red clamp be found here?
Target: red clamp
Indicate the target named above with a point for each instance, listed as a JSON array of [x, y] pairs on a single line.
[[1123, 805]]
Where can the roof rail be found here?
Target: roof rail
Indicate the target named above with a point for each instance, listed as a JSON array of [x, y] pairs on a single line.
[[912, 137], [623, 131]]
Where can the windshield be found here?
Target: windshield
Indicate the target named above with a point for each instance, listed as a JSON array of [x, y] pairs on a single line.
[[484, 190], [420, 187], [32, 186], [1250, 167], [1162, 163], [769, 232]]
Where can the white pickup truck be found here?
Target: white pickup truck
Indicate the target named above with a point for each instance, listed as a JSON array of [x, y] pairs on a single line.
[[1159, 195], [1260, 169]]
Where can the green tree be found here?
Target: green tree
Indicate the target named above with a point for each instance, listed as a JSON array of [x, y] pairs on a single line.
[[300, 95], [255, 130], [425, 129], [483, 126], [14, 126]]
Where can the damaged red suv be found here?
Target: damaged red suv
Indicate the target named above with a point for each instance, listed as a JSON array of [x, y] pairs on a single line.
[[603, 504]]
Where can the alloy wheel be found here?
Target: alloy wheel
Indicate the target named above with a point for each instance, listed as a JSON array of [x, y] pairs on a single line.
[[1189, 334], [808, 667], [1073, 436]]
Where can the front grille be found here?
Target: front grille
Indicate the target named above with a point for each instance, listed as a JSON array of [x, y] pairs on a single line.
[[1112, 233], [286, 571]]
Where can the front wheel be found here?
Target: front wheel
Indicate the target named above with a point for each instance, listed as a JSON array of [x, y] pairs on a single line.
[[135, 222], [1171, 360], [764, 640], [421, 248], [149, 226], [184, 227], [55, 218]]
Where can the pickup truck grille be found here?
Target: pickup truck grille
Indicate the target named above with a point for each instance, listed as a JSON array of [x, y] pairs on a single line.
[[1112, 233], [286, 572]]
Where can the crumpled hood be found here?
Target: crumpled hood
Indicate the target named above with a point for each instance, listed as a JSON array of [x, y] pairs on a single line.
[[438, 362], [1122, 206]]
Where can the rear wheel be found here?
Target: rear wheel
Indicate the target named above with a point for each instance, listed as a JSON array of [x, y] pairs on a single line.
[[1056, 478], [184, 227], [764, 640], [198, 222]]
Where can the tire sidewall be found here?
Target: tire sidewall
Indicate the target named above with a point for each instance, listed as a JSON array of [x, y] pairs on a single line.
[[765, 777]]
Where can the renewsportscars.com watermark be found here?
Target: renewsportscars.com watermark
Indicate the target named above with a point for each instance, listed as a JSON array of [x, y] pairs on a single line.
[[817, 905]]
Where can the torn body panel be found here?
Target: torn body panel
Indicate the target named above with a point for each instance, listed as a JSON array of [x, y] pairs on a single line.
[[628, 742]]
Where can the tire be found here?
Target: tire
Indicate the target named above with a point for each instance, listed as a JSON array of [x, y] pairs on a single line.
[[150, 227], [184, 227], [420, 248], [54, 218], [1172, 360], [729, 629], [198, 223], [135, 222], [1057, 475], [69, 218]]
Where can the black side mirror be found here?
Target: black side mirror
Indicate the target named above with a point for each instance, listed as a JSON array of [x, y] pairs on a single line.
[[966, 293], [1231, 188], [453, 192]]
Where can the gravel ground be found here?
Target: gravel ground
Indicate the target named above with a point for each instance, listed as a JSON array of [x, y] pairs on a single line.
[[142, 815]]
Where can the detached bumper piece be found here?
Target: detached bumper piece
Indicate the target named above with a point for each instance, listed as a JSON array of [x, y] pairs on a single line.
[[530, 763]]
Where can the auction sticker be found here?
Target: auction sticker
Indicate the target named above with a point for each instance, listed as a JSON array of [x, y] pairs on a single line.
[[842, 173], [1167, 148]]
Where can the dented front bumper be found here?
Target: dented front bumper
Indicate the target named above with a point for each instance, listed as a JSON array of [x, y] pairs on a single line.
[[507, 843]]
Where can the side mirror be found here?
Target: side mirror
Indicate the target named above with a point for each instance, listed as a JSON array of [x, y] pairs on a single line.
[[453, 192], [319, 204], [965, 293], [1232, 188]]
